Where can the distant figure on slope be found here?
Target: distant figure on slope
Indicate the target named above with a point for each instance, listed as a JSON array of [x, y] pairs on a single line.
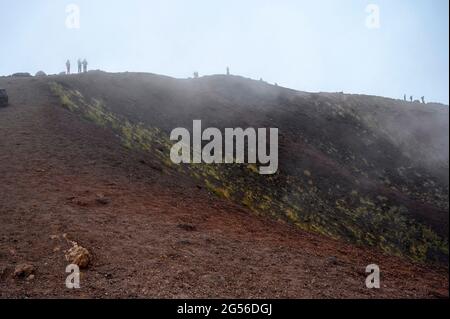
[[79, 65], [411, 98], [423, 99], [68, 66], [85, 64]]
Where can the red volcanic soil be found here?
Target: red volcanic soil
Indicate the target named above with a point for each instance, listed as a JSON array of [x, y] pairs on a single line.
[[154, 234]]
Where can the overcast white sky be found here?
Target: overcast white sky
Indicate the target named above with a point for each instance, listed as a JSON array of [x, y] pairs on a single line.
[[320, 45]]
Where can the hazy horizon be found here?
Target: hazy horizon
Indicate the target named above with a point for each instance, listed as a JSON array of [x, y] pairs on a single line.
[[321, 46]]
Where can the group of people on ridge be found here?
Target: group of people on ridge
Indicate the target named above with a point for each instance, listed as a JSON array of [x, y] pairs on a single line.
[[82, 66], [412, 99]]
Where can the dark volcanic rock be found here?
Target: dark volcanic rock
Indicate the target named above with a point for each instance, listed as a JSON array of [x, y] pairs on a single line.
[[3, 98], [22, 75], [24, 270]]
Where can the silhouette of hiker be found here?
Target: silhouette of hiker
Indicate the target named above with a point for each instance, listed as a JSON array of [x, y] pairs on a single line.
[[68, 66], [423, 99], [85, 64], [411, 98], [79, 65]]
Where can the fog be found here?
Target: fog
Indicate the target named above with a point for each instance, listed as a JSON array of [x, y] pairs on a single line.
[[325, 45]]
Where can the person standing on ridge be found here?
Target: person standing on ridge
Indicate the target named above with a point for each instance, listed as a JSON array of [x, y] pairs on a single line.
[[68, 66], [79, 65], [85, 64], [423, 99]]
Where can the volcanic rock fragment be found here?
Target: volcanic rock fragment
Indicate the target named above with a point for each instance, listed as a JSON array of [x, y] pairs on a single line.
[[79, 256]]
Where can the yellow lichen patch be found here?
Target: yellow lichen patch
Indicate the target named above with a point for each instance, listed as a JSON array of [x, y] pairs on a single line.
[[292, 215], [219, 191], [253, 168]]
